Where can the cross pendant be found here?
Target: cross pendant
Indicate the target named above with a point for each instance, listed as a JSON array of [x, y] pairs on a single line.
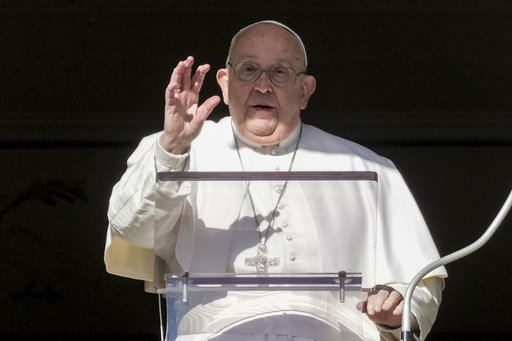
[[261, 261]]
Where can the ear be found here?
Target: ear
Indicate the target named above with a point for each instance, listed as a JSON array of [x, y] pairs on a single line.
[[222, 79], [308, 87]]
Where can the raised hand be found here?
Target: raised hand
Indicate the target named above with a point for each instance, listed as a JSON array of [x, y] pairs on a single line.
[[184, 117]]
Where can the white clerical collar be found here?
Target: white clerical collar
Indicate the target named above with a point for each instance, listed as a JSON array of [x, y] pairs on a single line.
[[290, 140]]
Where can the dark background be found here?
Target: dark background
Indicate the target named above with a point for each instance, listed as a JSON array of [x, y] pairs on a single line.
[[427, 84]]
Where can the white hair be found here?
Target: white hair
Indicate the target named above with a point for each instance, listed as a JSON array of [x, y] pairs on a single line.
[[272, 22]]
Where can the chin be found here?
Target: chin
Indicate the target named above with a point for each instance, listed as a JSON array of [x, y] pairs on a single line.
[[263, 130], [265, 139]]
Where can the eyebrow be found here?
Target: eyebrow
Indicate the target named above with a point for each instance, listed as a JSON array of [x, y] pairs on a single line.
[[281, 60]]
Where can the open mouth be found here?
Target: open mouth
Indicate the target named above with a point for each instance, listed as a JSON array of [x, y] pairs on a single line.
[[262, 107]]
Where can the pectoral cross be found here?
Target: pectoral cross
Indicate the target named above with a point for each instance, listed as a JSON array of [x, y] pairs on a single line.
[[261, 261]]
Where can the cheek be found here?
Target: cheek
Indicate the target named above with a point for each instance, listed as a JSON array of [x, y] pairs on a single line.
[[237, 96], [236, 106], [292, 102]]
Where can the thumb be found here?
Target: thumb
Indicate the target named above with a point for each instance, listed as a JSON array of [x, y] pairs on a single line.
[[361, 306], [207, 107]]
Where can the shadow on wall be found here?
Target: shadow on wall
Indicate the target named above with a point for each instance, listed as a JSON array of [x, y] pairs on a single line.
[[21, 241]]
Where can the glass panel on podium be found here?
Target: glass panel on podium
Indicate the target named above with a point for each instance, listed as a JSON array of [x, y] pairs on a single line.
[[308, 222], [224, 307]]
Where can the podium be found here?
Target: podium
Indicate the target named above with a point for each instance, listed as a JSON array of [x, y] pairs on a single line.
[[207, 234], [273, 307]]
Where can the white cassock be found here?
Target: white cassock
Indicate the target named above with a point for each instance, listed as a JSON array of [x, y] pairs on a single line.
[[305, 238]]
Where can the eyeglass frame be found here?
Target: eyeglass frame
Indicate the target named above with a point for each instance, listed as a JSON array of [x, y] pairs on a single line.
[[297, 74]]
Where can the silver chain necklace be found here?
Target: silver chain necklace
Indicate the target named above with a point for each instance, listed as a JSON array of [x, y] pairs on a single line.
[[261, 261]]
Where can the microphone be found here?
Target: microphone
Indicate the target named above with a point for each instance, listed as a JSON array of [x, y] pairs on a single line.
[[406, 334]]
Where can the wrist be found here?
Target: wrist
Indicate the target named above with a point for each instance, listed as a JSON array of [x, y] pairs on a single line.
[[172, 147]]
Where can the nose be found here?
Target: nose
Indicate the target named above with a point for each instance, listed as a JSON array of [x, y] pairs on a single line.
[[263, 83]]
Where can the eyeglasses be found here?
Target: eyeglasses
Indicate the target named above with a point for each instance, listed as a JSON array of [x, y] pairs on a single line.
[[279, 75]]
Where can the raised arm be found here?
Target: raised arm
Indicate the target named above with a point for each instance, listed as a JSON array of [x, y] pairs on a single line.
[[131, 209]]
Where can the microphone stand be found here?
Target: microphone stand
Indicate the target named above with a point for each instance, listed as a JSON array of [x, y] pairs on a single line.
[[406, 334]]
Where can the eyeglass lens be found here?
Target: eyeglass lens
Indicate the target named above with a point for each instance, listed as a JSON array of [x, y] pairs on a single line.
[[279, 75]]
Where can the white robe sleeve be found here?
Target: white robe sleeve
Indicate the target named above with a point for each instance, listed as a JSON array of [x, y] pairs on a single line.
[[131, 212]]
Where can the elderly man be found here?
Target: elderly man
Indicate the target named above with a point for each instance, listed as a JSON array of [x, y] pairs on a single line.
[[265, 86]]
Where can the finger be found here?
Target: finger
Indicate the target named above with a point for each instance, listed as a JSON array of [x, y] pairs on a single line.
[[376, 300], [394, 299], [187, 73], [177, 74], [207, 107], [198, 79], [170, 93], [399, 309], [361, 306]]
